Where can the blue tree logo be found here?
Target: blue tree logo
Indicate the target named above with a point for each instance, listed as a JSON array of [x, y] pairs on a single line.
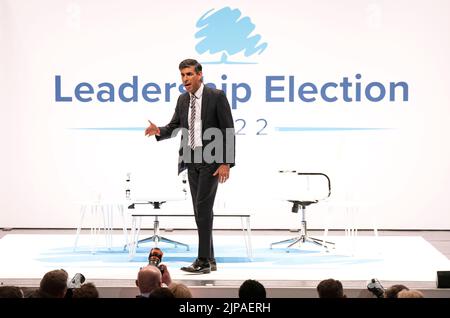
[[225, 31]]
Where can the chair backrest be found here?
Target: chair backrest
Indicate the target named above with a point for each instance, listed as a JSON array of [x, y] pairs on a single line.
[[154, 184], [304, 186]]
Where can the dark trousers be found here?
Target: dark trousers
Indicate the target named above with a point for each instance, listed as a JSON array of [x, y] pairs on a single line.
[[203, 187]]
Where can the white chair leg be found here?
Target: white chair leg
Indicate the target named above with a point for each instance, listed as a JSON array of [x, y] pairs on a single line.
[[326, 228], [354, 234], [93, 227], [134, 239], [246, 232], [249, 234], [82, 212], [104, 211], [375, 225], [350, 229], [124, 224], [110, 220], [375, 233]]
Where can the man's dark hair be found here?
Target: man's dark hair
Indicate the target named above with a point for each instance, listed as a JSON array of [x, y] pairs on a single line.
[[87, 290], [330, 288], [252, 289], [392, 292], [11, 292], [190, 62], [161, 293], [54, 283]]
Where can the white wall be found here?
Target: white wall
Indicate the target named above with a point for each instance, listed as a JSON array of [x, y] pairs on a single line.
[[401, 174]]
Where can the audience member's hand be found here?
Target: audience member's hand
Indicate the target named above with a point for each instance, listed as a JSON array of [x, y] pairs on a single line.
[[166, 279]]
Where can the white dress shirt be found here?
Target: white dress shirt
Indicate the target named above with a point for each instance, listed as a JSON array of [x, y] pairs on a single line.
[[198, 116]]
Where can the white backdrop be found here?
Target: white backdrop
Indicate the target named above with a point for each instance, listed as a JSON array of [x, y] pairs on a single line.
[[399, 172]]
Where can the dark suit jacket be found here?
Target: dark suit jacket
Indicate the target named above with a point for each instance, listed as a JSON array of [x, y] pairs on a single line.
[[216, 113]]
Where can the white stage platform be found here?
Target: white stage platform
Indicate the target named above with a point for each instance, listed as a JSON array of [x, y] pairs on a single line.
[[409, 260]]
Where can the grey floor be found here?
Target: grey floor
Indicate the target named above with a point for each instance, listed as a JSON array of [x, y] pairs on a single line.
[[439, 239]]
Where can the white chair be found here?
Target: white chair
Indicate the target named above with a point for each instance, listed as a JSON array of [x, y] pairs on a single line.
[[303, 200], [156, 237], [145, 196]]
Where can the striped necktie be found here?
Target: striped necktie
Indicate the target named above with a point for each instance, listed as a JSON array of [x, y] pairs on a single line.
[[192, 123]]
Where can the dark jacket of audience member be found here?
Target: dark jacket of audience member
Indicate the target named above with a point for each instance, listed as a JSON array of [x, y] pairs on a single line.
[[11, 292]]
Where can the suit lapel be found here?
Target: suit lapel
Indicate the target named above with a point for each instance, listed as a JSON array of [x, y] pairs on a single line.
[[205, 103], [185, 112]]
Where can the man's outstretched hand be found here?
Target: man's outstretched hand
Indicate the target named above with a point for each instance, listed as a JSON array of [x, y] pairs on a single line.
[[151, 130], [223, 172]]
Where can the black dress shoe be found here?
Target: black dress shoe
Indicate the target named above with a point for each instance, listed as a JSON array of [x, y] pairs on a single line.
[[213, 264], [198, 267]]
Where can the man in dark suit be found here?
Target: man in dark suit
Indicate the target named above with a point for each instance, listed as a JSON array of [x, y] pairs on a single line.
[[203, 115]]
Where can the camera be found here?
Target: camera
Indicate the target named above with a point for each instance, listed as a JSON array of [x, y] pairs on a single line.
[[376, 288], [155, 257], [77, 280]]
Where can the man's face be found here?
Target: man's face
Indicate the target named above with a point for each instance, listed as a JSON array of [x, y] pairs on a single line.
[[191, 80]]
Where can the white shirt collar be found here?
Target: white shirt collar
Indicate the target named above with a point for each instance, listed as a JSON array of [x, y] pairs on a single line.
[[198, 94]]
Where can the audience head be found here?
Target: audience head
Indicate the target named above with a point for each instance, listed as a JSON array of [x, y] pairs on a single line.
[[161, 293], [180, 290], [149, 278], [11, 292], [87, 290], [392, 292], [330, 288], [410, 294], [54, 284], [252, 289]]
